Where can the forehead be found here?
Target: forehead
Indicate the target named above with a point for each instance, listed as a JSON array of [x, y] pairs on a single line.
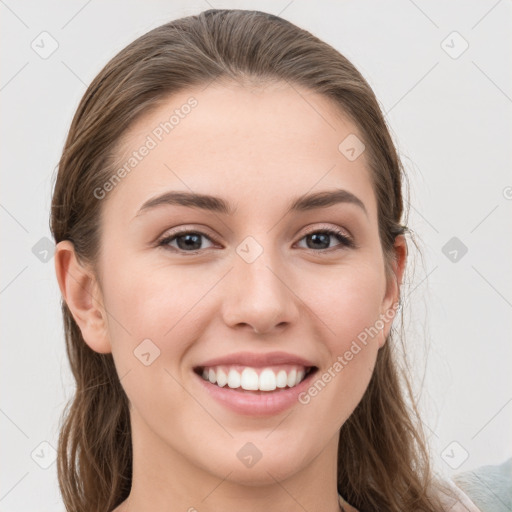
[[253, 145]]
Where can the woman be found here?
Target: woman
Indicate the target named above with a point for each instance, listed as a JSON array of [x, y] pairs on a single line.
[[230, 250]]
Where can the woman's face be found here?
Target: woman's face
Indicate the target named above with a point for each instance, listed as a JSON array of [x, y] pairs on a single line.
[[243, 285]]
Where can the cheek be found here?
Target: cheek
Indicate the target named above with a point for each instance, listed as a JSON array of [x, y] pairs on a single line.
[[349, 310], [349, 303], [156, 304], [154, 317]]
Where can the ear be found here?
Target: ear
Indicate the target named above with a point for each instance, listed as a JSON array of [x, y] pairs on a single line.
[[79, 288], [391, 300]]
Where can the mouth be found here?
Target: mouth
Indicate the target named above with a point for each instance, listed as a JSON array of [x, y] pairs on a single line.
[[255, 380]]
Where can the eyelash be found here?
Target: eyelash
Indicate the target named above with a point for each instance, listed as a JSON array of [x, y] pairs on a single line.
[[345, 241]]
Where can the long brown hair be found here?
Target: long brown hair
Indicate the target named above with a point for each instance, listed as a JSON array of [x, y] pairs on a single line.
[[383, 459]]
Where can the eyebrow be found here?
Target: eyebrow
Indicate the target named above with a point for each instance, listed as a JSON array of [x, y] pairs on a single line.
[[210, 203]]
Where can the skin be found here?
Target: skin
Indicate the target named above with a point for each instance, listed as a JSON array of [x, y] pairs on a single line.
[[258, 148]]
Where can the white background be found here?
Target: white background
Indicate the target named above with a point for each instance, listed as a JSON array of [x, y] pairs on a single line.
[[451, 119]]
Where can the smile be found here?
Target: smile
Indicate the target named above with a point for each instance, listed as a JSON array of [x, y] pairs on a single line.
[[255, 379], [254, 391]]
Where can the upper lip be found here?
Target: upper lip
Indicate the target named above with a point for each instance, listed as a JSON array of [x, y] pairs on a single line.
[[256, 360]]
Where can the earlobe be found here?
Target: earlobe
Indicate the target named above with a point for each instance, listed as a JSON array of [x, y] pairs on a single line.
[[80, 290], [392, 298]]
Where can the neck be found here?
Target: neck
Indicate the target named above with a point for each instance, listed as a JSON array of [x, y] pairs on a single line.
[[162, 477]]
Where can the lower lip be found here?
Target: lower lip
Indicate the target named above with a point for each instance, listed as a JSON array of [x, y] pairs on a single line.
[[264, 403]]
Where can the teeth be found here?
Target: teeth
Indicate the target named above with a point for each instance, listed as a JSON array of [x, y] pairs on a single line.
[[292, 378], [233, 379], [251, 379], [267, 380], [281, 379], [222, 378]]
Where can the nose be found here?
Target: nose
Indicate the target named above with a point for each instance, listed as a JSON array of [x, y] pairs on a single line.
[[259, 296]]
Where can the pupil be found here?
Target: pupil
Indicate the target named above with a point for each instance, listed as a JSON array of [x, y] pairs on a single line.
[[323, 238], [190, 241]]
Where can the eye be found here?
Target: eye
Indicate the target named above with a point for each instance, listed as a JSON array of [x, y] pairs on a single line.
[[187, 241], [190, 241], [320, 239]]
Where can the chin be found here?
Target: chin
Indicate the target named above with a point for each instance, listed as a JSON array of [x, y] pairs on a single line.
[[251, 466]]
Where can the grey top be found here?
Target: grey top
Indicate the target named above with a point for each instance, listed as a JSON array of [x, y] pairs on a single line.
[[484, 489], [488, 487]]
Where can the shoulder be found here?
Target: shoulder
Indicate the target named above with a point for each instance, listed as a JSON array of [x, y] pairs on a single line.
[[454, 499], [488, 487], [484, 489]]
